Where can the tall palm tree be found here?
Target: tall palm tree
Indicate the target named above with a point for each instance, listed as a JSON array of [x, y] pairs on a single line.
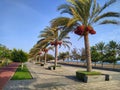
[[85, 13], [54, 37]]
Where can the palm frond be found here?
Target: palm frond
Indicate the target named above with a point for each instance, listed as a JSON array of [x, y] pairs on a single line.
[[72, 21], [97, 10], [110, 22], [66, 45], [76, 14], [65, 8], [107, 4], [39, 41], [106, 15], [51, 48], [60, 21]]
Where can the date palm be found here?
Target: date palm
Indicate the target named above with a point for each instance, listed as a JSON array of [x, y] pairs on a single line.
[[33, 54], [36, 48], [85, 13], [54, 35], [44, 47]]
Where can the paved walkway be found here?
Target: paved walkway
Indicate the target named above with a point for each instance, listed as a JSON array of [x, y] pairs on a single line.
[[6, 73], [61, 79]]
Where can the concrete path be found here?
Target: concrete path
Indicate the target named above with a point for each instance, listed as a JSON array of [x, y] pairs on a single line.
[[61, 79], [6, 73]]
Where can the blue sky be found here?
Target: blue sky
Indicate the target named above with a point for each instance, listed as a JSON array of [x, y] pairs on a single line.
[[22, 20]]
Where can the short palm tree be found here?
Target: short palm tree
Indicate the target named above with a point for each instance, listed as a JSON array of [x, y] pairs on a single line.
[[95, 55], [54, 37], [83, 15], [112, 47], [101, 48]]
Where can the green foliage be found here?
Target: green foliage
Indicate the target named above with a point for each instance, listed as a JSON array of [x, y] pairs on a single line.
[[110, 57], [95, 56], [63, 55], [75, 54], [19, 56], [22, 74], [112, 52], [4, 52], [106, 52], [50, 57]]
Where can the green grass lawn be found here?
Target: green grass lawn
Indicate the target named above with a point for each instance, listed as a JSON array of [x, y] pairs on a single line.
[[21, 74], [89, 73]]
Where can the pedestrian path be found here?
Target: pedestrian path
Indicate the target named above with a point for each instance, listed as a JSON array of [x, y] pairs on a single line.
[[6, 73], [61, 79]]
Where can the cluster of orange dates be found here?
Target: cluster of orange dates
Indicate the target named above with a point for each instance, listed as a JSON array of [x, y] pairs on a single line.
[[80, 30], [56, 43]]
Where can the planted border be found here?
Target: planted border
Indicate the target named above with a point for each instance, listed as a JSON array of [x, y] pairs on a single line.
[[22, 74]]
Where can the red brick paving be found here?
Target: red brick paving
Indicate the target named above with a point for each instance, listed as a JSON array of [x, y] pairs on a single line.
[[6, 73]]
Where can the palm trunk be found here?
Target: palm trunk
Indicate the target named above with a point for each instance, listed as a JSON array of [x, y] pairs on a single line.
[[56, 53], [36, 58], [88, 54], [45, 57], [39, 58]]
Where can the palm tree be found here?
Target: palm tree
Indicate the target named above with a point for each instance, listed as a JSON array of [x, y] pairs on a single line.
[[45, 48], [36, 50], [101, 47], [83, 15], [63, 55], [96, 56], [76, 54], [54, 37], [112, 47]]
